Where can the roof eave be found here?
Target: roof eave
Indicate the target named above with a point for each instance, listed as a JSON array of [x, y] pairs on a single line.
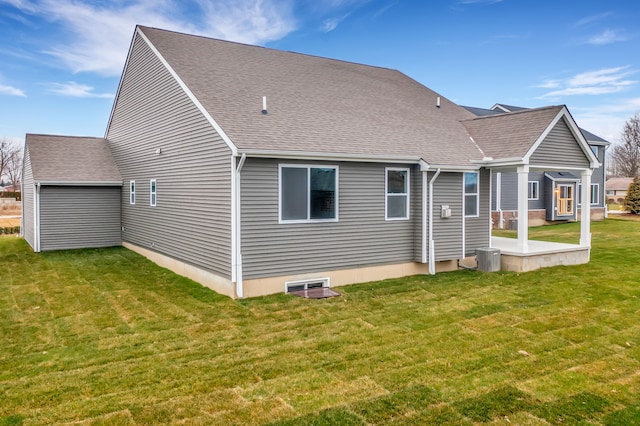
[[78, 183]]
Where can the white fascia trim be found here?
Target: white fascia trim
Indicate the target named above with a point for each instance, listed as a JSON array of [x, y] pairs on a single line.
[[189, 93], [500, 162], [573, 127], [544, 168], [78, 183], [456, 169], [330, 156]]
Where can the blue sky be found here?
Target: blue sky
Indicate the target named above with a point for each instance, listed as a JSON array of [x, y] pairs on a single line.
[[62, 59]]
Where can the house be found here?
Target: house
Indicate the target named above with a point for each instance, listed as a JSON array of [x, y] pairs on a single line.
[[256, 171], [553, 195], [72, 193], [617, 189]]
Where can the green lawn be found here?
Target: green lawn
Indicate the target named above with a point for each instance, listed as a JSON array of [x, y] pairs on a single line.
[[106, 337]]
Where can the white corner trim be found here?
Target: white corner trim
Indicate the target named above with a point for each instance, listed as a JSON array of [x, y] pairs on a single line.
[[189, 93]]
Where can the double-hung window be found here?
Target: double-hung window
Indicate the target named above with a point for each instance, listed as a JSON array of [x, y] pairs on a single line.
[[153, 192], [132, 192], [308, 193], [533, 190], [397, 193], [471, 194], [593, 196]]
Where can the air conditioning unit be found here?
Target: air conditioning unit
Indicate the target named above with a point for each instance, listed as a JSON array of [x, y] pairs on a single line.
[[488, 259], [445, 211]]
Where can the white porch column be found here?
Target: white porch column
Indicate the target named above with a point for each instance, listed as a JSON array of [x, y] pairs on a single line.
[[585, 209], [523, 208]]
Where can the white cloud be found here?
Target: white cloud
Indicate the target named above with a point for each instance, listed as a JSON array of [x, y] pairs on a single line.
[[11, 91], [599, 82], [607, 37], [606, 120], [330, 24], [99, 33], [76, 90], [587, 20]]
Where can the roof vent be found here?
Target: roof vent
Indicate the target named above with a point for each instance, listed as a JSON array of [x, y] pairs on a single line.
[[264, 105], [438, 102]]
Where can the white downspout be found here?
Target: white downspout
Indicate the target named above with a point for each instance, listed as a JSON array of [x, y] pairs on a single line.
[[238, 236], [36, 218], [423, 256], [499, 200], [432, 246]]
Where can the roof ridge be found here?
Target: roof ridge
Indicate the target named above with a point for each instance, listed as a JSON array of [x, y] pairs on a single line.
[[270, 48], [65, 136], [517, 112]]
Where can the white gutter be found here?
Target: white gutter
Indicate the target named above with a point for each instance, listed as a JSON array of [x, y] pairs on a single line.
[[79, 183], [238, 233], [36, 218], [432, 246]]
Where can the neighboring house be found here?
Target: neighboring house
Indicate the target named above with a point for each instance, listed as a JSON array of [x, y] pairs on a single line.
[[617, 189], [554, 195], [257, 171], [73, 200]]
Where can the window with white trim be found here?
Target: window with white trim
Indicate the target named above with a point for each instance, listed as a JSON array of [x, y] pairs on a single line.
[[471, 194], [308, 193], [153, 192], [132, 192], [397, 193], [534, 187], [593, 196], [594, 149]]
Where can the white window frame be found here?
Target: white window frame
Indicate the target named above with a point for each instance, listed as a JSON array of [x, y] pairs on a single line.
[[470, 194], [153, 192], [530, 186], [594, 149], [308, 167], [132, 192], [595, 186], [406, 194]]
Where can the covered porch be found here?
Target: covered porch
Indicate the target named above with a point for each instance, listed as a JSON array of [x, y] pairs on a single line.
[[539, 254]]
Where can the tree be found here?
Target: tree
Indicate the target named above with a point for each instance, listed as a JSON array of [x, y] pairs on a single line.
[[632, 200], [626, 155], [10, 161], [13, 169]]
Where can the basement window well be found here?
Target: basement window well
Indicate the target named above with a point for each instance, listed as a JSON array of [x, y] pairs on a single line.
[[311, 289]]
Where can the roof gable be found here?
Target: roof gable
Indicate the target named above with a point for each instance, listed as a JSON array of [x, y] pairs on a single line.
[[314, 104], [71, 160]]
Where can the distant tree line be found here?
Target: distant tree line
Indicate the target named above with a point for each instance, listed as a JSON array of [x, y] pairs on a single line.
[[625, 156]]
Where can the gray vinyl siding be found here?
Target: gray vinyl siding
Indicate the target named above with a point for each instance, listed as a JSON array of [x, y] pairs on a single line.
[[79, 217], [560, 148], [361, 237], [447, 232], [192, 219], [28, 201], [477, 229], [539, 203], [509, 191]]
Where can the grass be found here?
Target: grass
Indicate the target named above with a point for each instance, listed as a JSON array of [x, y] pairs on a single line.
[[106, 337]]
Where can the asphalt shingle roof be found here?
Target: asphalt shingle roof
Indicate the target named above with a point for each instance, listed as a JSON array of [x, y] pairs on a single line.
[[315, 104], [512, 134], [71, 159]]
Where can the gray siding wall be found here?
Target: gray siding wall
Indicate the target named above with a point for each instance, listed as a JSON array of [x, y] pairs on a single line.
[[192, 219], [510, 191], [360, 238], [560, 148], [478, 229], [79, 217], [447, 232], [28, 201], [539, 203]]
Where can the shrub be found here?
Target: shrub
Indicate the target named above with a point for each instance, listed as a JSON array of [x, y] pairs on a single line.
[[8, 230]]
